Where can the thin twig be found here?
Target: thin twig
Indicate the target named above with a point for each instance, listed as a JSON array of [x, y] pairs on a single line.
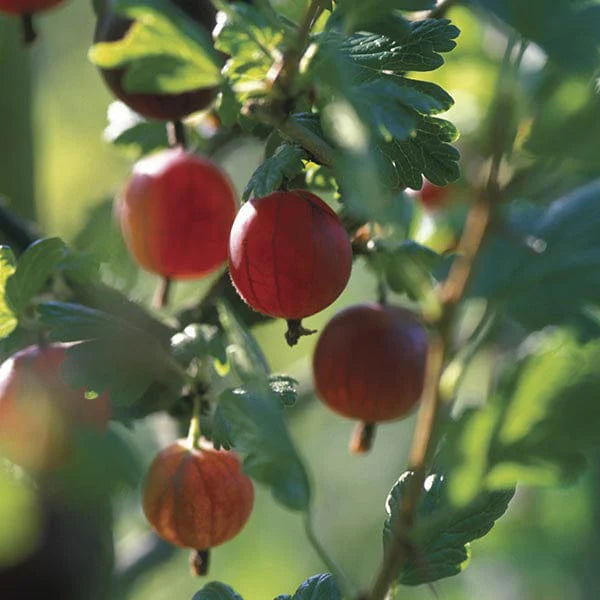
[[176, 134], [452, 291]]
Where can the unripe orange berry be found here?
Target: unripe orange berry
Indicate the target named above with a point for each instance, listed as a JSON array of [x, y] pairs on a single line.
[[176, 212], [38, 410], [369, 362], [197, 498], [289, 255]]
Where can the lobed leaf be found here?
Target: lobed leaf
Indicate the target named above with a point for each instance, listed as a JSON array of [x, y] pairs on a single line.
[[439, 546]]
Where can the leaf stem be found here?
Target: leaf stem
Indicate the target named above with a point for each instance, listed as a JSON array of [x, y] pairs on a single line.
[[195, 431], [348, 587]]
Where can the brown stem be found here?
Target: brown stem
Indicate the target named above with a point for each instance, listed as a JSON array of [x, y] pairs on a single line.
[[295, 331], [29, 33], [292, 130], [162, 293], [200, 562], [362, 437], [176, 134]]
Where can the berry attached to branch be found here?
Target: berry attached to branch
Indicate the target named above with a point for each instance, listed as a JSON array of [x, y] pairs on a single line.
[[175, 213], [289, 254], [197, 498], [369, 362]]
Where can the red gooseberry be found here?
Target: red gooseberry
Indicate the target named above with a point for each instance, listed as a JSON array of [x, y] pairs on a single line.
[[38, 409], [160, 106], [176, 212], [26, 7], [197, 498], [289, 254], [369, 362], [433, 196]]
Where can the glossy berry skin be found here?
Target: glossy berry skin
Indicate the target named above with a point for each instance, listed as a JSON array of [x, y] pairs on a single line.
[[176, 212], [289, 255], [433, 196], [163, 107], [369, 362], [38, 410], [197, 498], [26, 7]]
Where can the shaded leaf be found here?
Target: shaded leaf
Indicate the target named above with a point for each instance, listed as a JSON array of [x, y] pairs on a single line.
[[252, 421], [443, 532], [8, 320], [318, 587]]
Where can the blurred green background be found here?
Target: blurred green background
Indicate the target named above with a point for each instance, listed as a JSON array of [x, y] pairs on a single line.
[[56, 167]]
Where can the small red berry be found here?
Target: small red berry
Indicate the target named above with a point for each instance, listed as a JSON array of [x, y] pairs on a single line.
[[433, 196], [369, 362], [289, 254], [38, 409], [197, 498], [176, 212], [26, 7], [163, 107]]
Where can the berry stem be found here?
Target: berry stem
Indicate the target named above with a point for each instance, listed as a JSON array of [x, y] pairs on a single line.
[[29, 32], [362, 437], [195, 431], [176, 134], [200, 562], [295, 331], [162, 293]]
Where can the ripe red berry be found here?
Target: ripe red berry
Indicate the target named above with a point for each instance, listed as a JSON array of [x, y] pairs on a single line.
[[197, 498], [289, 255], [176, 212], [38, 409], [369, 362], [26, 7], [433, 196], [160, 106]]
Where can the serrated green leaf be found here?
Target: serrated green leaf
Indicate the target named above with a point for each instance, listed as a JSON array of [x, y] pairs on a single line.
[[163, 51], [34, 268], [215, 590], [318, 587], [285, 164], [252, 421], [8, 320], [443, 532], [251, 41], [539, 423]]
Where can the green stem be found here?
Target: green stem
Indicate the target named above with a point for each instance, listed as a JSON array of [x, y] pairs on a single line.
[[195, 431], [349, 589]]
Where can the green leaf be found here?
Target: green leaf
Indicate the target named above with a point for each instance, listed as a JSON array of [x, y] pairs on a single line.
[[8, 320], [216, 590], [539, 424], [251, 41], [243, 351], [568, 33], [163, 51], [443, 532], [318, 587], [252, 421], [197, 341], [555, 271], [127, 130], [284, 165], [415, 4], [116, 356], [35, 266]]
